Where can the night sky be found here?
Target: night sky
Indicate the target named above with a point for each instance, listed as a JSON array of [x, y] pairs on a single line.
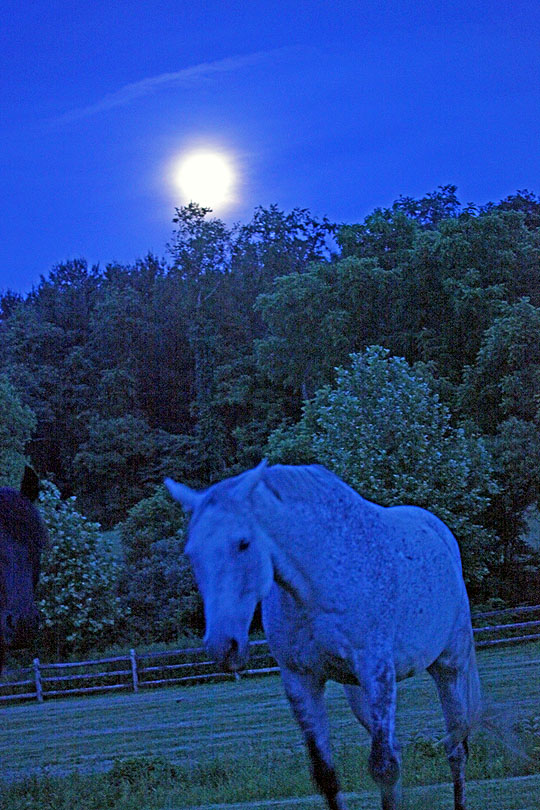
[[337, 107]]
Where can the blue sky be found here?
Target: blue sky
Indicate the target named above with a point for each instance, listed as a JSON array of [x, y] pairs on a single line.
[[337, 107]]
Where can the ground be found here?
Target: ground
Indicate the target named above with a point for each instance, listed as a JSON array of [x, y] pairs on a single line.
[[234, 745]]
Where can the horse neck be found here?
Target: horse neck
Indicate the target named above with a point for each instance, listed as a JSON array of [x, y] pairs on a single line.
[[291, 573]]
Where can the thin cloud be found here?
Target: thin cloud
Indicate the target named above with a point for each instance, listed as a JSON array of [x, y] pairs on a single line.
[[181, 78]]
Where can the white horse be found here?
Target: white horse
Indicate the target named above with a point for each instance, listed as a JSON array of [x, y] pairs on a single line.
[[351, 591]]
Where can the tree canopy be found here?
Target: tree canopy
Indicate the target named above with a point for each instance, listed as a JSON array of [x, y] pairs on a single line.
[[192, 365], [383, 429], [17, 422]]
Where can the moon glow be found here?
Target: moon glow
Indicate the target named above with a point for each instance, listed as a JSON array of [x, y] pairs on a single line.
[[206, 177]]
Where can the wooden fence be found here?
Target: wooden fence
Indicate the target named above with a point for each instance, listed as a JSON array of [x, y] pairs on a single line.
[[138, 671]]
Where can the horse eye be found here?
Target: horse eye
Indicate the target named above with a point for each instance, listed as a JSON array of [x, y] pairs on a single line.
[[243, 545]]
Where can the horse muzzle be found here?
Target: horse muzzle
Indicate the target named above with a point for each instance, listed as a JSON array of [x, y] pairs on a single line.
[[18, 631], [230, 654]]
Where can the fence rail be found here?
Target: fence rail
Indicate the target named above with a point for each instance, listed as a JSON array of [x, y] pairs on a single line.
[[186, 669]]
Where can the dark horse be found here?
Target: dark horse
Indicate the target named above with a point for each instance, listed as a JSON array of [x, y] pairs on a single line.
[[22, 537]]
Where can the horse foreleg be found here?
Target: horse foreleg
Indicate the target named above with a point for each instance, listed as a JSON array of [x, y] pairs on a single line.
[[384, 759], [306, 698]]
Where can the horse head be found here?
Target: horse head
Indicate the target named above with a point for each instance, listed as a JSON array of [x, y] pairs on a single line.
[[23, 535], [230, 559], [19, 618]]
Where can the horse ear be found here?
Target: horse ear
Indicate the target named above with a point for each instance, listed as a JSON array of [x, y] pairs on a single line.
[[188, 498], [30, 484], [249, 481]]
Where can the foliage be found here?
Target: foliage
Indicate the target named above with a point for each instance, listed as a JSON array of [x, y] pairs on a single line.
[[222, 272], [515, 449], [119, 462], [383, 430], [158, 588], [316, 319], [505, 379], [17, 422], [150, 520], [78, 602], [301, 357], [41, 349], [187, 365]]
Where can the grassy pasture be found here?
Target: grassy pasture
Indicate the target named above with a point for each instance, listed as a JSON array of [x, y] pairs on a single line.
[[234, 745]]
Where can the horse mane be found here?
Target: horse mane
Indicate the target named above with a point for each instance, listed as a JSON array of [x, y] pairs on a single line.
[[286, 481], [20, 520], [304, 482], [289, 483]]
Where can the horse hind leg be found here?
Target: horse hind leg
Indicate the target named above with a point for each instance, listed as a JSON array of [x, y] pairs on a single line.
[[306, 698], [459, 692]]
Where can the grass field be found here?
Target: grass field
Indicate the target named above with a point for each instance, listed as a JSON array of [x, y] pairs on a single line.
[[234, 745]]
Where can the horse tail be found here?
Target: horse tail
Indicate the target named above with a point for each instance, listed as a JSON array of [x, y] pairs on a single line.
[[472, 697], [475, 713]]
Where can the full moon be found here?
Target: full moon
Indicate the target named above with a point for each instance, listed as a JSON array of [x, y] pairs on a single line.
[[206, 177]]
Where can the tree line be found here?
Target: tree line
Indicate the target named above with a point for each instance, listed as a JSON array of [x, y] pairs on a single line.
[[403, 352]]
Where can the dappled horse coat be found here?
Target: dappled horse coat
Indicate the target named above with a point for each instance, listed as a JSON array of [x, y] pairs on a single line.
[[351, 591]]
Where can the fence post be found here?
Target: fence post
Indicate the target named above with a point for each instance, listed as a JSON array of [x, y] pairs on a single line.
[[134, 673], [37, 678]]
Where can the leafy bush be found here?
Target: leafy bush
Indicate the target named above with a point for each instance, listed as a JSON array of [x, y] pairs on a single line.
[[78, 597], [158, 586], [384, 430]]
